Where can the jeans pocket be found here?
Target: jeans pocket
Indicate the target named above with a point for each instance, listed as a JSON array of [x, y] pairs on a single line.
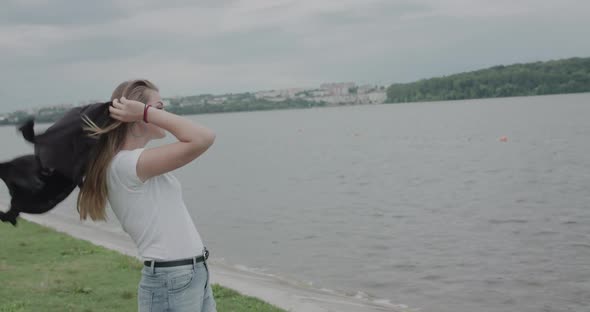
[[181, 280]]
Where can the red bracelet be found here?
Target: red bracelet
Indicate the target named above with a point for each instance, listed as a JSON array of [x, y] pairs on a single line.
[[145, 109]]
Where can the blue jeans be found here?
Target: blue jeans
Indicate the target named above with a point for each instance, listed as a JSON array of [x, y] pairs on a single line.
[[176, 289]]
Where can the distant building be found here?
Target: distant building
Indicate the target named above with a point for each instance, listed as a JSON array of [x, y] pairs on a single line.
[[319, 93], [337, 89], [267, 94], [281, 94], [367, 88], [291, 92]]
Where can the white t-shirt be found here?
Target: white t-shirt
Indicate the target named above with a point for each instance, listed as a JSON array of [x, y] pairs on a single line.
[[153, 212]]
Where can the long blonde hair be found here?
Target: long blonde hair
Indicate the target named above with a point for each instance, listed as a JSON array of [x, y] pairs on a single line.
[[93, 194]]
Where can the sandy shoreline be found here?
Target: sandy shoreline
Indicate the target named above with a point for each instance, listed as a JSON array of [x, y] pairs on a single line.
[[280, 293]]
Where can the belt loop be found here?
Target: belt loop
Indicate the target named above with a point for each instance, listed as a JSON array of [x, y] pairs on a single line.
[[194, 262], [152, 262]]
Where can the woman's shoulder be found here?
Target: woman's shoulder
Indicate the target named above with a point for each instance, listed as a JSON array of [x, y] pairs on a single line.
[[123, 165], [128, 155]]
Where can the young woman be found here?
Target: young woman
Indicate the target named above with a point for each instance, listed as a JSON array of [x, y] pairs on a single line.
[[146, 197]]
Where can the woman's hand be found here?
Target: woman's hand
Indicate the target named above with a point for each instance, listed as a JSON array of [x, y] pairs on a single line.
[[126, 110]]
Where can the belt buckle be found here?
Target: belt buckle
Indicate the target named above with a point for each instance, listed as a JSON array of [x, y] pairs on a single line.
[[205, 253]]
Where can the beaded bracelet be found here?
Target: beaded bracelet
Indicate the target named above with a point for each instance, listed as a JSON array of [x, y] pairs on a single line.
[[145, 109]]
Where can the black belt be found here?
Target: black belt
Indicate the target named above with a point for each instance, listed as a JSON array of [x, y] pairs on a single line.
[[197, 259]]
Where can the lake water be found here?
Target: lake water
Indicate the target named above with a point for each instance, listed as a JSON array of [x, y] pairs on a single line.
[[419, 204]]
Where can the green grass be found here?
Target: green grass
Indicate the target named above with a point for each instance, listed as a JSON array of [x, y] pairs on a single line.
[[44, 270]]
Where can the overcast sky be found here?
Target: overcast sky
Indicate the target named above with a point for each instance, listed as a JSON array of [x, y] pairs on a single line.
[[54, 52]]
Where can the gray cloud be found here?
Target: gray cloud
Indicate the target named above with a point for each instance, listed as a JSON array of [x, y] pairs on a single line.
[[67, 12], [58, 12], [67, 51]]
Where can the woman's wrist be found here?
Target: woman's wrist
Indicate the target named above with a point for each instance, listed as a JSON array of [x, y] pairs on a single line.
[[145, 112]]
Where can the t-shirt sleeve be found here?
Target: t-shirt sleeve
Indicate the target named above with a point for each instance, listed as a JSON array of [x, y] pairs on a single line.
[[126, 168]]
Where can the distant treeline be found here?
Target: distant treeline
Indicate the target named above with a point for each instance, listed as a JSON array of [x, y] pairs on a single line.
[[552, 77], [43, 115], [187, 105], [202, 104]]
